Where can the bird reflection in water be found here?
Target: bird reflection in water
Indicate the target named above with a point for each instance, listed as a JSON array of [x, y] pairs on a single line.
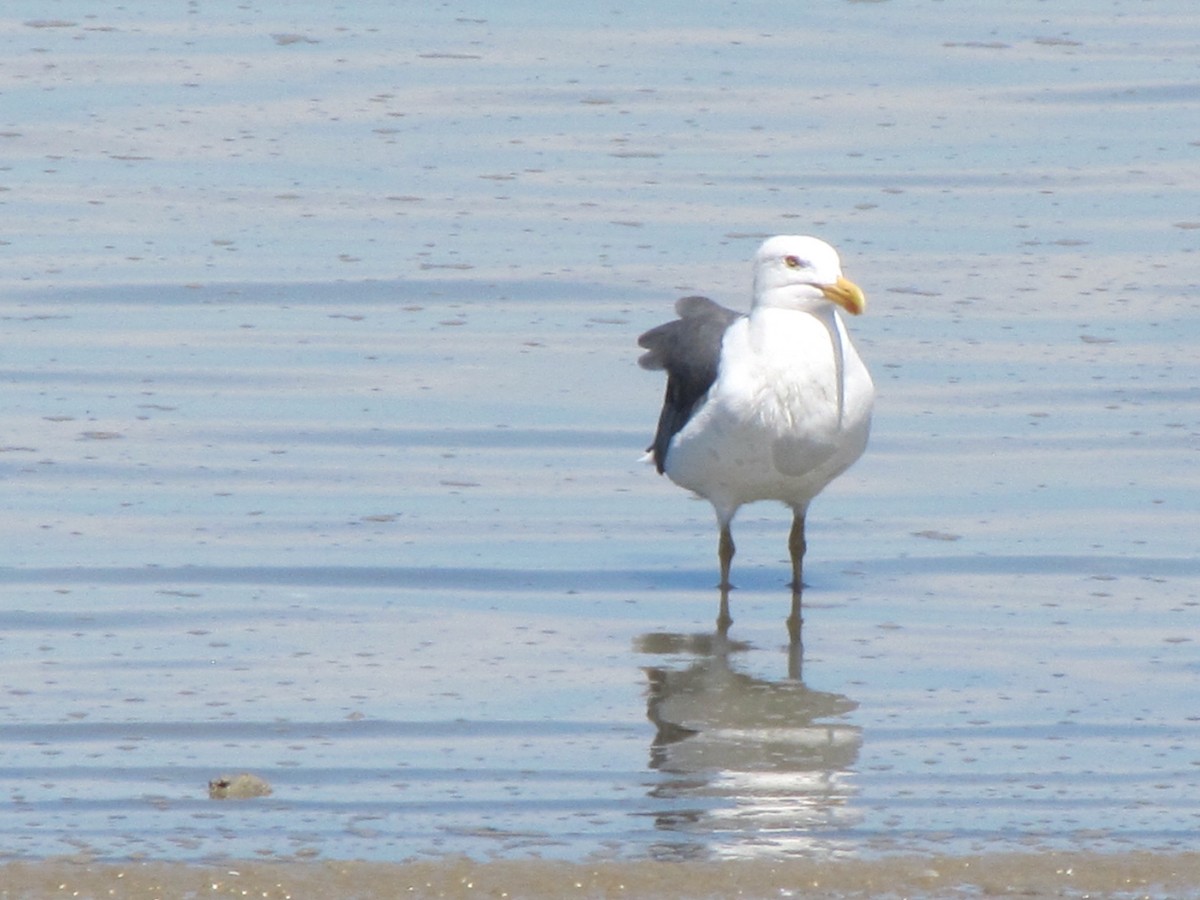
[[750, 766]]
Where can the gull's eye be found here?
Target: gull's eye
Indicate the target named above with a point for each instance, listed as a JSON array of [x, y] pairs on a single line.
[[794, 262]]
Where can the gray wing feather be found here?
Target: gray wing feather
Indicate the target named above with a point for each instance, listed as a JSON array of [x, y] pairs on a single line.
[[689, 349]]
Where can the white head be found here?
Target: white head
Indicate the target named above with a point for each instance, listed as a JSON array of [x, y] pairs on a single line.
[[800, 272]]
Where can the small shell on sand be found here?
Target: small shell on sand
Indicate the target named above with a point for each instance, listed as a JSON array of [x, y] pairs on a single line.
[[238, 787]]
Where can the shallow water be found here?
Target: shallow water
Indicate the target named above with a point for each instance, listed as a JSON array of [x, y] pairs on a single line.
[[322, 433]]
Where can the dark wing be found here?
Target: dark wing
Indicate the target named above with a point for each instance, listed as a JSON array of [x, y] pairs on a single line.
[[689, 349]]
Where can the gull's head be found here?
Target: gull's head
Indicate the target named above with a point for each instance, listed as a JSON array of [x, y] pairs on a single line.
[[800, 272]]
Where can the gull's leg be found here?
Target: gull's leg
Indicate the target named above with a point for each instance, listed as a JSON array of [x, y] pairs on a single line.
[[797, 546], [725, 551]]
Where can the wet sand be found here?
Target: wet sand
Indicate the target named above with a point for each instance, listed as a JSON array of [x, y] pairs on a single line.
[[321, 445], [1023, 875]]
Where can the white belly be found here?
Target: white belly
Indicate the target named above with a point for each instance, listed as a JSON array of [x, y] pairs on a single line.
[[790, 411]]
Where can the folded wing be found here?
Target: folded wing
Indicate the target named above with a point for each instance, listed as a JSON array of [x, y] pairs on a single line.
[[689, 349]]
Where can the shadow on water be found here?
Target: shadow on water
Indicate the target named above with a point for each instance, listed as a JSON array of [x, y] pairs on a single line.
[[485, 578], [749, 765]]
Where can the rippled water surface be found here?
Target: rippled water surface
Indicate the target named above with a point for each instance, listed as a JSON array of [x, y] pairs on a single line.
[[322, 428]]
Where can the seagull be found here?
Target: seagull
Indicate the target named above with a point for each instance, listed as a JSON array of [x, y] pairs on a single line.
[[769, 405]]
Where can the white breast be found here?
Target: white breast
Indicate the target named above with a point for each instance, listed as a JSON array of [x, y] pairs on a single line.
[[790, 410]]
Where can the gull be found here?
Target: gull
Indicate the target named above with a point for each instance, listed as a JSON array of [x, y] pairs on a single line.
[[768, 405]]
